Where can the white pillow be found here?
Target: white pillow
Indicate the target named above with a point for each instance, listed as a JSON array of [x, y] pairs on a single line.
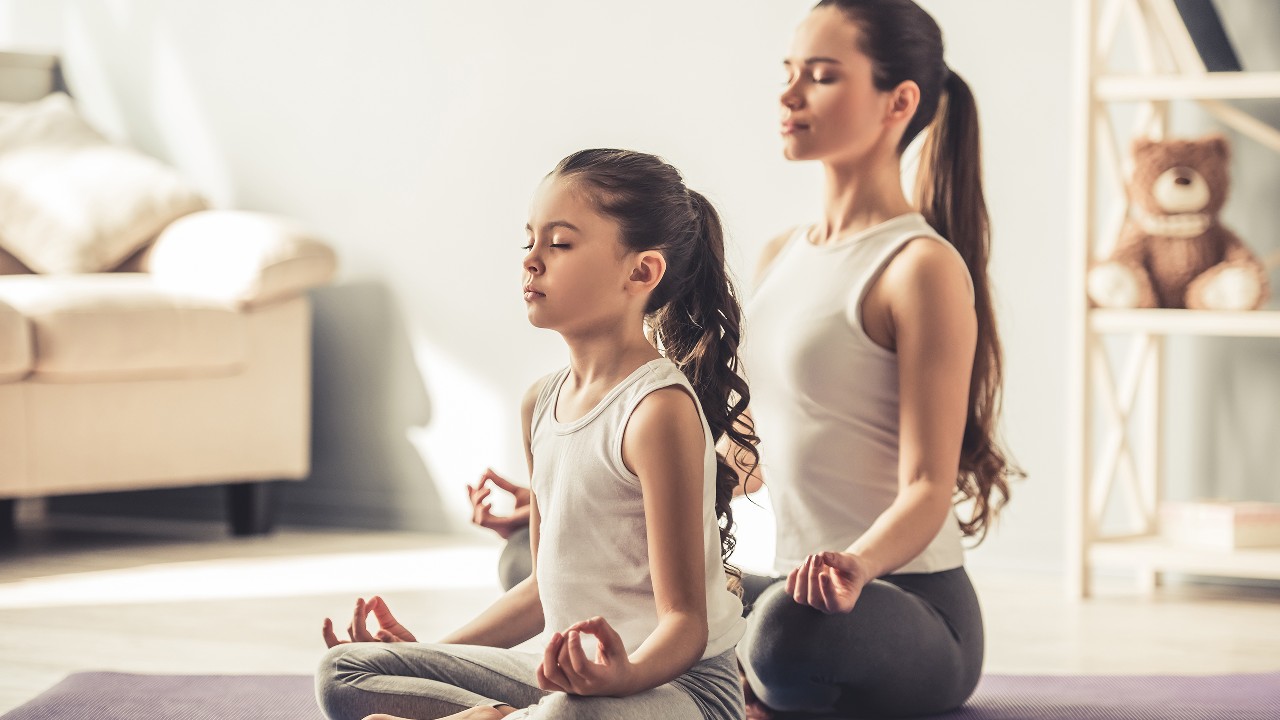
[[73, 202]]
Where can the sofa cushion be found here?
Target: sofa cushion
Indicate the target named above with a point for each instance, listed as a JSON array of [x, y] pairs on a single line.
[[73, 202], [10, 265], [123, 326], [249, 259], [15, 344]]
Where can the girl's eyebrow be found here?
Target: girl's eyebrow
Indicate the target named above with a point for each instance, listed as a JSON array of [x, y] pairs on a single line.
[[814, 60], [555, 224]]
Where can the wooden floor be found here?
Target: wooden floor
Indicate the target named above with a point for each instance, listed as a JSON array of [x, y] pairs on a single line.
[[184, 598]]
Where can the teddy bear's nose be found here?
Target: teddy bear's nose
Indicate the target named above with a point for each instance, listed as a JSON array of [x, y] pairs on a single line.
[[1182, 180]]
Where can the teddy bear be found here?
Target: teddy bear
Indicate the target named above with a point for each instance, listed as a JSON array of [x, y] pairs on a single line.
[[1172, 251]]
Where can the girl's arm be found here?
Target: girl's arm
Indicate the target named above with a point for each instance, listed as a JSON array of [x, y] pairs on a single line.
[[663, 445], [935, 330], [517, 615]]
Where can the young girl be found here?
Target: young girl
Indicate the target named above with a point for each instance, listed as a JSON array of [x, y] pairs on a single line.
[[629, 511], [876, 368]]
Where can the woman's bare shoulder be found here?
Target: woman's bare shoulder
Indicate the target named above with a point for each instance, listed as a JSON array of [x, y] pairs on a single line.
[[771, 251]]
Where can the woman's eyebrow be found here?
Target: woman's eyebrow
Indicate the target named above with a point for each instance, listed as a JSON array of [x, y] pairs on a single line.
[[815, 60], [555, 224]]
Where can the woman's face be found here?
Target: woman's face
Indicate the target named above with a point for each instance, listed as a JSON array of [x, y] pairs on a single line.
[[831, 110], [575, 270]]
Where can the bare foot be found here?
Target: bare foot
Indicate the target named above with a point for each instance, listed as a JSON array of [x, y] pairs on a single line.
[[477, 713], [756, 710]]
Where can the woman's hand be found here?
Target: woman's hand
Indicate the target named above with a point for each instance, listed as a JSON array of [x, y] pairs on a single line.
[[504, 525], [829, 581], [389, 629], [565, 667]]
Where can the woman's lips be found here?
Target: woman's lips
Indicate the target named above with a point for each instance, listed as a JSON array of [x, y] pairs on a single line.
[[790, 126]]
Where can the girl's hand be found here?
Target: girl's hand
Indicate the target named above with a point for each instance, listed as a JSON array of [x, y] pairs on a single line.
[[504, 525], [829, 581], [565, 667], [389, 629]]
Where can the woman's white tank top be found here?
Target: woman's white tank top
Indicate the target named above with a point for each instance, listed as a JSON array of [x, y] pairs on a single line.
[[593, 543], [824, 396]]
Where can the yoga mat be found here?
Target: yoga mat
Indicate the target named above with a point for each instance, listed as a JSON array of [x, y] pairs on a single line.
[[124, 696]]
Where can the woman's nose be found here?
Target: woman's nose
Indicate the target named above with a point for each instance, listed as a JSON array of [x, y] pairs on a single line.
[[791, 99]]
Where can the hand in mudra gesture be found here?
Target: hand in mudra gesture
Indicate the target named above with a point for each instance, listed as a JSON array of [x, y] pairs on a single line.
[[482, 513], [566, 668], [389, 629], [829, 581]]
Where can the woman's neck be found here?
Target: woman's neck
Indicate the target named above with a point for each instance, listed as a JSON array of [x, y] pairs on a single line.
[[860, 195]]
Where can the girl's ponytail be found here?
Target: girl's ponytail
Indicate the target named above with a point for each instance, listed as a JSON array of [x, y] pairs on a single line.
[[699, 330]]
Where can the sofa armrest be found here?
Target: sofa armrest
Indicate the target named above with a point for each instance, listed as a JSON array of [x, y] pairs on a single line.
[[17, 349], [244, 258]]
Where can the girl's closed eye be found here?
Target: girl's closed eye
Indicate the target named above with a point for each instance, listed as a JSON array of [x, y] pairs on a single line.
[[558, 246]]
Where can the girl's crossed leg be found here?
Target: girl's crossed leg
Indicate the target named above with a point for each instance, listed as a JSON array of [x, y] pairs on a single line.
[[427, 681]]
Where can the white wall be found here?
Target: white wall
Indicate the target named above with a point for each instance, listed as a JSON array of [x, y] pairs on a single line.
[[410, 134]]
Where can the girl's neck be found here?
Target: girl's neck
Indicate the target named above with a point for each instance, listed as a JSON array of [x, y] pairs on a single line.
[[860, 195], [608, 356]]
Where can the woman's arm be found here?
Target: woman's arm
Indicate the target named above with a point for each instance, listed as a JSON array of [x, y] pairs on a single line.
[[922, 309], [748, 481], [517, 615], [934, 332]]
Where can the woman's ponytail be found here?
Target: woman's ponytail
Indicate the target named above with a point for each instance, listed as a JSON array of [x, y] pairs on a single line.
[[949, 195]]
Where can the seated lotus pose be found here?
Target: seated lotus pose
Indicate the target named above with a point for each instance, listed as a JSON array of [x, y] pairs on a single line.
[[628, 514]]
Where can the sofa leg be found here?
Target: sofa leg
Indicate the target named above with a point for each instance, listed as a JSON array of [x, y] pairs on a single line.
[[250, 508], [8, 521]]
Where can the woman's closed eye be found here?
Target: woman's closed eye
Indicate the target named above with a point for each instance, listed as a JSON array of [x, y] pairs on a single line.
[[558, 246]]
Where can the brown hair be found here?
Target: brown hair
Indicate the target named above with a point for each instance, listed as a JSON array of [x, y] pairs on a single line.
[[905, 43], [694, 315]]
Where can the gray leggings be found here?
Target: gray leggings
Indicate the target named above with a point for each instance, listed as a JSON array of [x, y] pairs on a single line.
[[421, 680], [912, 646]]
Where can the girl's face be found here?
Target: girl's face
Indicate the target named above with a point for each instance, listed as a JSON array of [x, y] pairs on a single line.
[[831, 110], [576, 269]]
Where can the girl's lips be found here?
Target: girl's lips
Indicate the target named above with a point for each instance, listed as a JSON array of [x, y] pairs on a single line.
[[531, 295]]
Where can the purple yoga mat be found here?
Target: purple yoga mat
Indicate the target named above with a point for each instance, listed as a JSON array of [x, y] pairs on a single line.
[[123, 696]]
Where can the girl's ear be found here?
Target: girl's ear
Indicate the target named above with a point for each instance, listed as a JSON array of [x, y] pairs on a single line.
[[647, 271], [904, 101]]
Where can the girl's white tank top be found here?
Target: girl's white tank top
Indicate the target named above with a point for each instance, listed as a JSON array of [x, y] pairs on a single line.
[[593, 542]]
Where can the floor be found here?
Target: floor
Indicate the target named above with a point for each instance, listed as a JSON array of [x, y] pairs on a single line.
[[80, 595]]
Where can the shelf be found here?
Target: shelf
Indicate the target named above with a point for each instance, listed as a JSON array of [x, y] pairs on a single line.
[[1209, 86], [1156, 554], [1252, 323]]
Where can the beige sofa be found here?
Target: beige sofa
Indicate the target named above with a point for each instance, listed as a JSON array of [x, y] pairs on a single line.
[[187, 365]]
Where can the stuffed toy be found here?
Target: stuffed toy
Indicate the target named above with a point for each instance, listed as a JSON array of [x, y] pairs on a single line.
[[1173, 252]]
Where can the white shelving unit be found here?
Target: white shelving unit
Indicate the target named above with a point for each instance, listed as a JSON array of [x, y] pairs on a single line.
[[1121, 474]]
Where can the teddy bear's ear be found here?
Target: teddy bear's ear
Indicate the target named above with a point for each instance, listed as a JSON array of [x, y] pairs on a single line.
[[1141, 145], [1219, 145]]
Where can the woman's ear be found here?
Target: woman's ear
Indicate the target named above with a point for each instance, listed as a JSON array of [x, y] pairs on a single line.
[[903, 102], [647, 271]]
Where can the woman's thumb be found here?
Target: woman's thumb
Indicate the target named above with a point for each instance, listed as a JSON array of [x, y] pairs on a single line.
[[840, 561]]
